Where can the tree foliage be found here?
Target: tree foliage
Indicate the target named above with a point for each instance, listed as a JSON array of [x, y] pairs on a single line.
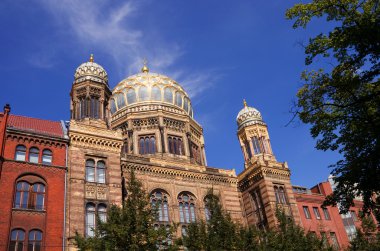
[[342, 102], [131, 227], [367, 238], [221, 233]]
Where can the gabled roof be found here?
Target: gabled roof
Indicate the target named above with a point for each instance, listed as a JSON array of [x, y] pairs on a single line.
[[34, 125]]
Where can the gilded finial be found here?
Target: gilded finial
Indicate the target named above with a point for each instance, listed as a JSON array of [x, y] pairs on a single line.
[[145, 67], [91, 58], [245, 103]]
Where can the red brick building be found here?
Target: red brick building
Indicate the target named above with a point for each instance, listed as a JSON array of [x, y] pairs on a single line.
[[326, 222], [32, 183]]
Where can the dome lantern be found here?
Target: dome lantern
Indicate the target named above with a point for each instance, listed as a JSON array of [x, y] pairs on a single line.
[[91, 71]]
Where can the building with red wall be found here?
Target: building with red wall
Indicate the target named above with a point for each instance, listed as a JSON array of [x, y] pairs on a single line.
[[326, 222], [32, 183]]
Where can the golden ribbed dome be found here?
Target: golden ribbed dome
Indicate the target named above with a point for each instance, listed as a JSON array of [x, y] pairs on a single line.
[[91, 71], [149, 88]]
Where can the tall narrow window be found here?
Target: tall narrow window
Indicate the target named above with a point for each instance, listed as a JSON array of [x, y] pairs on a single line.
[[316, 213], [326, 213], [324, 239], [120, 100], [17, 240], [101, 172], [178, 99], [265, 144], [94, 107], [159, 201], [47, 157], [186, 203], [22, 195], [90, 170], [209, 199], [35, 240], [90, 219], [282, 195], [33, 154], [113, 106], [306, 212], [131, 96], [168, 95], [20, 153], [196, 153], [258, 208], [38, 196], [156, 93], [334, 240], [143, 93], [102, 212], [248, 149], [256, 145]]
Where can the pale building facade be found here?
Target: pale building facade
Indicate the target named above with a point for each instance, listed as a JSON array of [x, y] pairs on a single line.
[[146, 124]]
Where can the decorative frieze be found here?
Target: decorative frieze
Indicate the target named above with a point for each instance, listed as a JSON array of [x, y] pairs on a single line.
[[175, 125]]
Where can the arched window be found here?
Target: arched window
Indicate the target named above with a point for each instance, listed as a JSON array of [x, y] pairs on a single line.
[[131, 96], [94, 107], [256, 145], [147, 144], [101, 172], [159, 201], [248, 149], [34, 154], [196, 153], [90, 170], [258, 208], [152, 145], [35, 240], [206, 202], [186, 104], [279, 192], [102, 212], [175, 145], [156, 93], [113, 106], [20, 153], [29, 196], [83, 107], [178, 99], [186, 205], [17, 240], [168, 95], [22, 195], [47, 157], [38, 196], [143, 93], [120, 100], [282, 195], [276, 193], [90, 219]]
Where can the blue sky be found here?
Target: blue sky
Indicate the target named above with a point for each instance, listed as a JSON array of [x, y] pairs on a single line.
[[219, 51]]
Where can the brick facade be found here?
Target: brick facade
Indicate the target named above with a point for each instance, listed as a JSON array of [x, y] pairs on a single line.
[[47, 217]]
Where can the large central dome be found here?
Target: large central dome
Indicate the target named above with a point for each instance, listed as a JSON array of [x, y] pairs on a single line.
[[149, 88]]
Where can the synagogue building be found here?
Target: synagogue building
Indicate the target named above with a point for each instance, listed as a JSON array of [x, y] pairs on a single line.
[[57, 177]]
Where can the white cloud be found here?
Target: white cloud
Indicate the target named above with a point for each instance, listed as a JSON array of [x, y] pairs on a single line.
[[110, 29]]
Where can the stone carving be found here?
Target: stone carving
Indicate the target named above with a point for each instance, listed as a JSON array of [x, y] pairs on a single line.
[[175, 125]]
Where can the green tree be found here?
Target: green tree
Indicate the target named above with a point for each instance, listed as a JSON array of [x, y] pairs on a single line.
[[291, 237], [367, 238], [342, 102], [131, 227], [219, 232]]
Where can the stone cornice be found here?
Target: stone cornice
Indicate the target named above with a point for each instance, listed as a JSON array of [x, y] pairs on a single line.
[[255, 174], [193, 175]]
